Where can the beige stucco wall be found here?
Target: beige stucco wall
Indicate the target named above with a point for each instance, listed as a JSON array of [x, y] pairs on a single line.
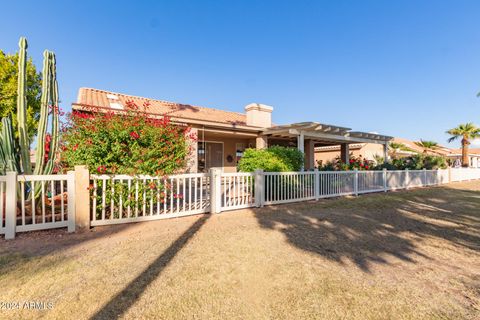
[[368, 151], [229, 148]]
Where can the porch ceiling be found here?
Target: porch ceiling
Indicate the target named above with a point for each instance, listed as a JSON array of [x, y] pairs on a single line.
[[324, 133]]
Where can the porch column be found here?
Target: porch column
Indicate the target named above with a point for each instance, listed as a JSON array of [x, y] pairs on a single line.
[[261, 142], [301, 145], [345, 152], [192, 157], [301, 142], [385, 152], [309, 154]]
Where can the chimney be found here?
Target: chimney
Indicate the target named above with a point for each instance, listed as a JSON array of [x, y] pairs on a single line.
[[259, 115]]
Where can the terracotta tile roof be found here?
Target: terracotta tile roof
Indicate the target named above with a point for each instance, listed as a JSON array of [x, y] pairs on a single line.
[[441, 150], [110, 100]]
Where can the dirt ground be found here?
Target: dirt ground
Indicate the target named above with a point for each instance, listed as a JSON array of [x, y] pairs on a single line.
[[403, 255]]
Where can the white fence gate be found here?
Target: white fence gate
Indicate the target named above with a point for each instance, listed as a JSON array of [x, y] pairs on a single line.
[[66, 200]]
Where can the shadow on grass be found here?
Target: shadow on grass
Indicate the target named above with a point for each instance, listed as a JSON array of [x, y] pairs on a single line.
[[28, 246], [119, 304], [368, 229]]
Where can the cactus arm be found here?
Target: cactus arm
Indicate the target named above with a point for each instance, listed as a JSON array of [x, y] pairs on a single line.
[[7, 147], [55, 116], [42, 122], [24, 141]]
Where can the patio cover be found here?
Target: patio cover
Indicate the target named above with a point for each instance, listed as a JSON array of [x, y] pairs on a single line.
[[324, 134]]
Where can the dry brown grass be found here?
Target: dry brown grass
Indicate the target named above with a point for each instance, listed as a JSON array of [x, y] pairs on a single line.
[[401, 255]]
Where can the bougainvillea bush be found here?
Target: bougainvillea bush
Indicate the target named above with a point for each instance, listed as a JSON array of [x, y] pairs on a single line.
[[336, 164], [125, 142]]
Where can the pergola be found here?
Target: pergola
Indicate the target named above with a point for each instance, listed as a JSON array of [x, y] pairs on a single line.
[[309, 135]]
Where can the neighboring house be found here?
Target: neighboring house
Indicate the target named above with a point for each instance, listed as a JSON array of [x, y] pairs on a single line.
[[224, 135], [370, 151]]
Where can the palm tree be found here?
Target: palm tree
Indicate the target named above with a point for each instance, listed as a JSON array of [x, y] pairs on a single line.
[[427, 145], [466, 132], [397, 146]]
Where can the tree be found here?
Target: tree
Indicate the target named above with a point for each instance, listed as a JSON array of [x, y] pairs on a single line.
[[466, 132], [8, 91], [427, 145]]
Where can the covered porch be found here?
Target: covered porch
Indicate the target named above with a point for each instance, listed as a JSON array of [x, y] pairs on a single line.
[[308, 135]]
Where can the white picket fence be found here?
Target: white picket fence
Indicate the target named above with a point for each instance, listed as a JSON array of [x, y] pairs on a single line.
[[67, 200], [123, 198]]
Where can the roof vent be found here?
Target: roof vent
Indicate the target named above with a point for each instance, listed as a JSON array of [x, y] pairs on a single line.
[[112, 96], [116, 105]]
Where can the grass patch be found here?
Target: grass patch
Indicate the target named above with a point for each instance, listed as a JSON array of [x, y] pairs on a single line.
[[402, 255]]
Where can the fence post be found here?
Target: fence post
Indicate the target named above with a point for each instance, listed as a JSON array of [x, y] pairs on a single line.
[[11, 205], [355, 183], [425, 182], [449, 174], [215, 190], [385, 180], [259, 193], [82, 197], [407, 178], [316, 187], [71, 201]]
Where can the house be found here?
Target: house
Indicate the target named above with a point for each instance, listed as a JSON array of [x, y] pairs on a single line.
[[223, 135], [371, 152]]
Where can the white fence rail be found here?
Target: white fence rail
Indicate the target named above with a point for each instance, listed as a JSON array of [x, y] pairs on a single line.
[[463, 174], [79, 198], [124, 198], [36, 202], [284, 187]]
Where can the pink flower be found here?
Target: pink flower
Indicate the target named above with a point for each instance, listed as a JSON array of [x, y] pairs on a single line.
[[134, 135]]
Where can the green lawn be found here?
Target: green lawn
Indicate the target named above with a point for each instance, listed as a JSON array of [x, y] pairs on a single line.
[[403, 255]]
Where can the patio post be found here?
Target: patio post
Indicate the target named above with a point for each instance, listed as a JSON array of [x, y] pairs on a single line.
[[301, 146], [261, 142], [345, 152], [385, 152]]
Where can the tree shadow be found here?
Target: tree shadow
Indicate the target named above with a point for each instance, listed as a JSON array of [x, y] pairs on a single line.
[[372, 228], [121, 302]]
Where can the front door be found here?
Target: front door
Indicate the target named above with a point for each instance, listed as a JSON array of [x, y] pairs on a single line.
[[210, 155]]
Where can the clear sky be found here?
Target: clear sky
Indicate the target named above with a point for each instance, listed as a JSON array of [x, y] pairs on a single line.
[[403, 68]]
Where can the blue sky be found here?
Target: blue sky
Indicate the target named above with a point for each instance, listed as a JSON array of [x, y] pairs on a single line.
[[403, 68]]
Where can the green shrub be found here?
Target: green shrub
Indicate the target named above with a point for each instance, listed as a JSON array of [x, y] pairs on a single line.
[[272, 159], [415, 162]]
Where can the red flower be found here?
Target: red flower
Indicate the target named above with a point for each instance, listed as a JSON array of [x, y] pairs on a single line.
[[101, 169], [75, 147], [134, 135], [366, 167]]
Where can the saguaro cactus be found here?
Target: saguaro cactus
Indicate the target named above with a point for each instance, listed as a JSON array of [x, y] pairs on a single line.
[[18, 158]]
